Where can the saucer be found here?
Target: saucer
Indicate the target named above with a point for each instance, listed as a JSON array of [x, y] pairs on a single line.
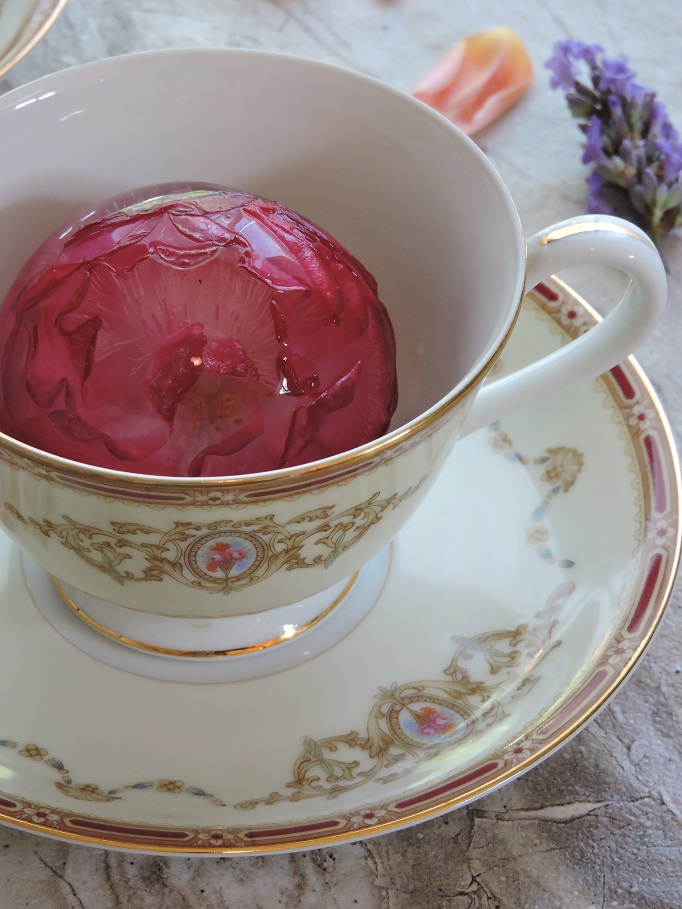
[[517, 599], [22, 24]]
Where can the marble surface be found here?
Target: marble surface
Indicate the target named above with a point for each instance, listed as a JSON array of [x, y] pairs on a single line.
[[599, 824]]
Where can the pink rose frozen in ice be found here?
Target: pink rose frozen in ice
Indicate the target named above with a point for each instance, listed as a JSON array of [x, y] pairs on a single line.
[[196, 333]]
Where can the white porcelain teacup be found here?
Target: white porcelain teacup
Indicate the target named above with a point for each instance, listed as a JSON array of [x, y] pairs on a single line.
[[410, 196]]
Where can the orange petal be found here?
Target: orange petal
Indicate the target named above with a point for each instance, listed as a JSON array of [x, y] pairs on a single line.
[[479, 79]]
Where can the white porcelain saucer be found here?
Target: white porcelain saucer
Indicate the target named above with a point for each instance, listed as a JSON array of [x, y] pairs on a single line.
[[518, 598], [22, 24]]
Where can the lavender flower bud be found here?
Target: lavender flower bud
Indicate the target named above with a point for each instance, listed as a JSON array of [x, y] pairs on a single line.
[[618, 126], [670, 154], [649, 185], [593, 152], [615, 76], [582, 101], [631, 145], [596, 204], [674, 199], [639, 201]]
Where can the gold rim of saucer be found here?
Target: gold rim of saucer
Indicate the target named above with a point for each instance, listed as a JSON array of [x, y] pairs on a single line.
[[202, 654]]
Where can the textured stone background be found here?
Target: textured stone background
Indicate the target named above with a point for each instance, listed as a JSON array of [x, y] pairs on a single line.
[[600, 823]]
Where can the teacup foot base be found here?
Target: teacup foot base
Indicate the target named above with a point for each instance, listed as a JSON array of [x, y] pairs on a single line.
[[319, 624]]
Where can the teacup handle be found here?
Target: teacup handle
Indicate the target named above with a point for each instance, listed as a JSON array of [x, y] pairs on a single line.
[[599, 240]]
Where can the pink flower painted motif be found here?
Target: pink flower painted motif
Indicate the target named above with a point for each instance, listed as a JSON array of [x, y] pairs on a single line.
[[479, 79], [370, 818], [428, 724], [664, 531], [517, 754], [641, 416], [41, 816], [619, 652], [434, 723], [573, 316], [217, 838], [222, 556]]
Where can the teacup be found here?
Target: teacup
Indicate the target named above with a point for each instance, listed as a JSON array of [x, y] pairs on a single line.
[[414, 200]]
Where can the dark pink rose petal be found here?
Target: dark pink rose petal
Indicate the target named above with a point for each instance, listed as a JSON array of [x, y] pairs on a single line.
[[176, 367], [82, 340], [227, 357], [308, 419]]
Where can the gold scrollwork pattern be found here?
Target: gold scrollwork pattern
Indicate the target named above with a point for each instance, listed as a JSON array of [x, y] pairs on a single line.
[[407, 724], [220, 556], [561, 467], [415, 721], [92, 792]]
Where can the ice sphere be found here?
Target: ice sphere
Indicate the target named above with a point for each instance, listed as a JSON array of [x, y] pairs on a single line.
[[195, 331]]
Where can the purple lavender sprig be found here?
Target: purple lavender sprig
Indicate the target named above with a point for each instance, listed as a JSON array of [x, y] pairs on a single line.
[[632, 146]]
